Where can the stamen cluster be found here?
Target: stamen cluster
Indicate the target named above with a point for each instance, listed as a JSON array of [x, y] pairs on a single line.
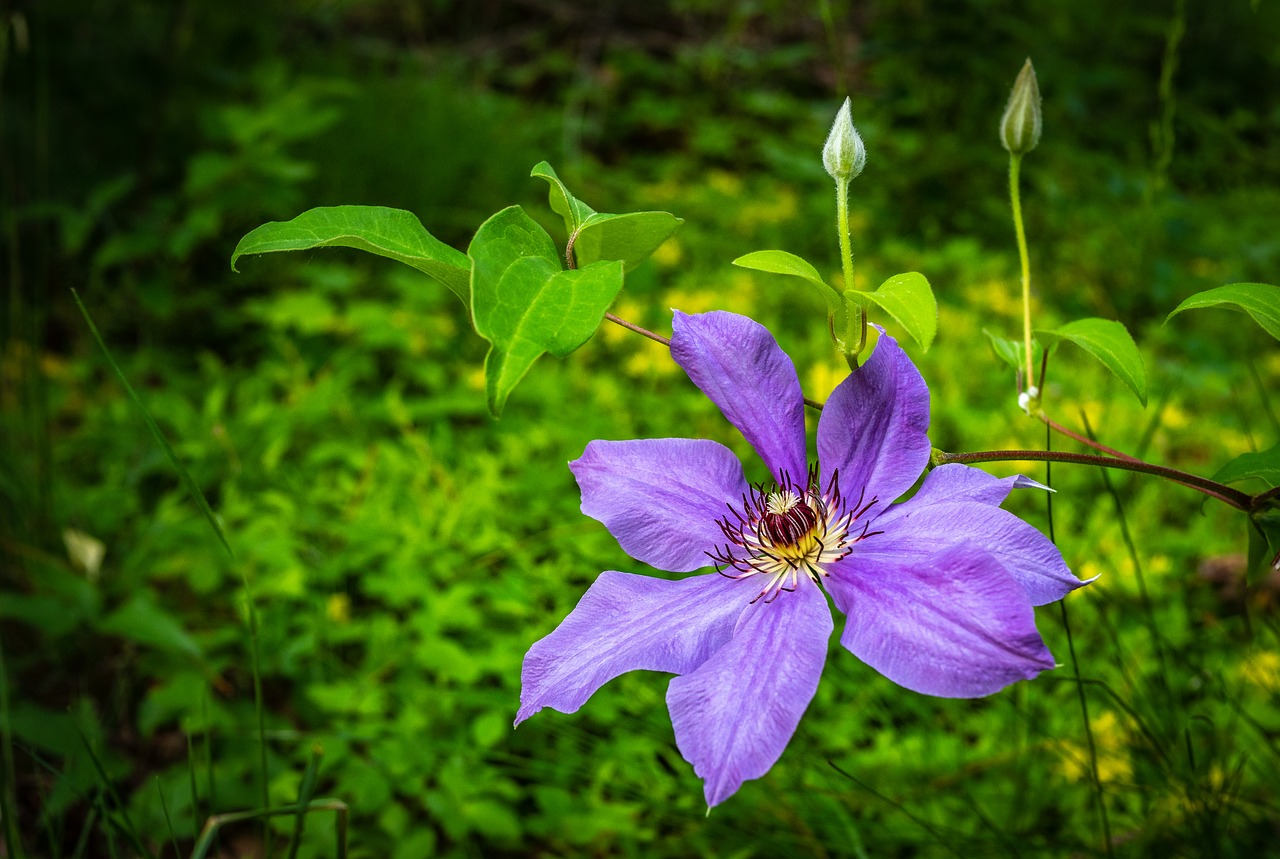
[[788, 528]]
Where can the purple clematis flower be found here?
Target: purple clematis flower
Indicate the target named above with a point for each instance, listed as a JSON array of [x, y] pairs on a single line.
[[938, 590]]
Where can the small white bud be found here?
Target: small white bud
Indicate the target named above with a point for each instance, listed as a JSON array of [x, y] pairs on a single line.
[[1029, 399], [843, 155], [1020, 125]]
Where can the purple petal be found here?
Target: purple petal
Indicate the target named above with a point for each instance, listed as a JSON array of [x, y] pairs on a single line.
[[626, 622], [956, 482], [734, 715], [660, 498], [736, 362], [957, 626], [874, 426], [916, 530]]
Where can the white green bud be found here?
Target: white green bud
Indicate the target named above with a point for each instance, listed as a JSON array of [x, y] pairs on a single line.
[[843, 155], [1020, 125]]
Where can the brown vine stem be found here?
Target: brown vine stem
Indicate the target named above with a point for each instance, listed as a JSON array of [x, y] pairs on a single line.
[[1222, 492], [1263, 498], [1085, 440]]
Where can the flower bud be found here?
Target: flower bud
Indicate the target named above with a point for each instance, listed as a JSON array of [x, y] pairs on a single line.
[[1020, 125], [844, 156]]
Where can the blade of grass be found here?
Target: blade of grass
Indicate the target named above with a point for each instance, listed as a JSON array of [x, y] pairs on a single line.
[[195, 793], [203, 504], [916, 819], [305, 791], [8, 772], [1075, 666], [213, 824], [168, 821], [183, 474], [125, 823]]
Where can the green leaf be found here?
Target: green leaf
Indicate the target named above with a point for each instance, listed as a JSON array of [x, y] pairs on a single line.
[[597, 236], [392, 233], [1259, 300], [630, 238], [781, 262], [524, 304], [909, 299], [141, 620], [574, 211], [1011, 352], [1263, 465], [1110, 343]]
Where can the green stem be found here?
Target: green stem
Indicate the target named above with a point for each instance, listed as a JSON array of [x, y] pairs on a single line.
[[846, 257], [1015, 198]]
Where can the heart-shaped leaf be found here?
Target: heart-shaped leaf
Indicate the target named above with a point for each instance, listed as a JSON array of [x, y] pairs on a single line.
[[574, 211], [596, 236], [1259, 300], [631, 238], [908, 298], [524, 304], [1011, 351], [1108, 341], [392, 233], [781, 262], [1264, 465]]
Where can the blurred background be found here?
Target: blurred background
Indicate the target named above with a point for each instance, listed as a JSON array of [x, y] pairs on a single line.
[[403, 550]]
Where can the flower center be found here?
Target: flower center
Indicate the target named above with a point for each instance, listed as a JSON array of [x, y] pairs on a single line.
[[788, 529]]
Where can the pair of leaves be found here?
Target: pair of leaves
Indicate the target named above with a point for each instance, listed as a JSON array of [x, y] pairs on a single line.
[[1105, 339], [905, 297], [525, 304], [595, 236], [511, 281], [1260, 300]]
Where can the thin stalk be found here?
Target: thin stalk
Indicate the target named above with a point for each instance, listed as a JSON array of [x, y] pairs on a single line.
[[1015, 198], [1220, 491], [643, 332], [846, 256]]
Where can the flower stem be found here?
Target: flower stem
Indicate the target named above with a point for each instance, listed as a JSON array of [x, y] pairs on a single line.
[[846, 258], [1015, 198], [643, 332], [1220, 491]]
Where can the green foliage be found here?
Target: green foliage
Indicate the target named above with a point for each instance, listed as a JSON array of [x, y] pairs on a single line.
[[593, 236], [408, 550], [1012, 352], [524, 304], [1260, 300], [1112, 344], [781, 262], [1263, 465], [391, 233], [909, 299]]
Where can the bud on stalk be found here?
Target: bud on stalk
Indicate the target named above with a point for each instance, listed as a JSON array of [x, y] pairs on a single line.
[[843, 155], [1020, 125]]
